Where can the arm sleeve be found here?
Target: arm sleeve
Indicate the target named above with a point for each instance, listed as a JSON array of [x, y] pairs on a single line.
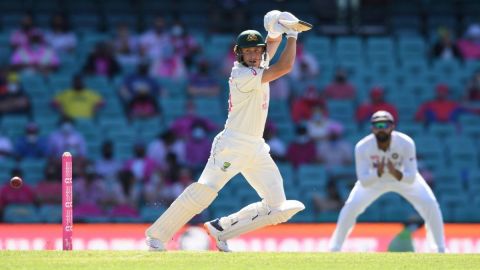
[[247, 79], [365, 176], [410, 163]]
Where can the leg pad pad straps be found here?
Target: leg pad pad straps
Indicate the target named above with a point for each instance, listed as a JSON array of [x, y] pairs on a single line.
[[257, 215], [192, 201]]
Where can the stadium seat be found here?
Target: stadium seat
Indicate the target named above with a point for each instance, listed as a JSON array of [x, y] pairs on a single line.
[[340, 110], [312, 178], [20, 213], [447, 181], [371, 214], [33, 170], [319, 46], [50, 213], [442, 131]]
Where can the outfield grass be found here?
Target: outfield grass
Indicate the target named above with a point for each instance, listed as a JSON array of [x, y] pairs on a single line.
[[127, 260]]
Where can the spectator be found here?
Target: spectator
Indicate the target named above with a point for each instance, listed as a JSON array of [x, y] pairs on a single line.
[[203, 83], [377, 103], [14, 100], [182, 126], [107, 166], [302, 108], [140, 81], [90, 197], [332, 201], [183, 180], [278, 149], [66, 139], [305, 67], [473, 89], [79, 101], [11, 195], [6, 146], [470, 45], [140, 92], [302, 149], [60, 37], [228, 59], [156, 42], [141, 165], [340, 88], [184, 44], [126, 46], [280, 89], [319, 124], [169, 66], [32, 144], [335, 151], [102, 62], [48, 189], [445, 48], [165, 143], [197, 145], [127, 197], [440, 110], [143, 106], [36, 56], [21, 37]]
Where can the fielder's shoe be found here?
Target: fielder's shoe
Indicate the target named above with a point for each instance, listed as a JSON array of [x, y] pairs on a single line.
[[154, 244], [213, 228]]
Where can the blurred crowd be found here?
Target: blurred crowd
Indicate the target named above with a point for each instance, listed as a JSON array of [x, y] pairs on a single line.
[[159, 170]]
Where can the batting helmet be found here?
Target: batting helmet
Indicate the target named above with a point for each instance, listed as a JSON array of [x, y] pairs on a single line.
[[247, 39]]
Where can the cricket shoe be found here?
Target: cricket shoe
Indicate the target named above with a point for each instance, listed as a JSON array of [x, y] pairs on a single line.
[[213, 228], [155, 244]]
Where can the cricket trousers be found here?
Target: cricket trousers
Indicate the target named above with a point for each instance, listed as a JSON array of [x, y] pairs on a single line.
[[234, 153], [418, 194]]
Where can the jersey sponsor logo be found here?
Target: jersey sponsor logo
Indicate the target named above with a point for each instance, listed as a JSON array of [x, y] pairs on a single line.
[[254, 72]]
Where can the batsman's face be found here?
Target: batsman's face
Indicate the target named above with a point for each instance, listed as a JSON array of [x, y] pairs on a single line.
[[382, 130], [252, 56]]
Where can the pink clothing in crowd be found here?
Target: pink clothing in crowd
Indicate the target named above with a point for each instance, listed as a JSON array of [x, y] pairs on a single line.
[[41, 56], [142, 168], [22, 37], [9, 195]]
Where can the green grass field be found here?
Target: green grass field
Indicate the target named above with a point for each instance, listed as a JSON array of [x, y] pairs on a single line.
[[53, 260]]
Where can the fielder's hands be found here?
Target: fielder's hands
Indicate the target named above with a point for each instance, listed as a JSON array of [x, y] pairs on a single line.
[[381, 167], [393, 171]]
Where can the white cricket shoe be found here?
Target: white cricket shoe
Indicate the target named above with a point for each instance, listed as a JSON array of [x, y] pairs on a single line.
[[213, 228], [155, 244]]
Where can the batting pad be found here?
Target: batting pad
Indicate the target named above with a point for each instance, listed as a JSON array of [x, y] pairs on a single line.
[[258, 215], [192, 201]]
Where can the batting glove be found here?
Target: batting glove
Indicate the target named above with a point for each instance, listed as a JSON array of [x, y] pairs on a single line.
[[270, 22]]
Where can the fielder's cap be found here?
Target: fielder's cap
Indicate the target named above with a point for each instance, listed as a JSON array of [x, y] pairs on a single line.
[[382, 116]]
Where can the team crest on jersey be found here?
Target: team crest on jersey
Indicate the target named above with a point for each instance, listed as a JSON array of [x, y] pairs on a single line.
[[394, 155], [225, 166], [252, 37]]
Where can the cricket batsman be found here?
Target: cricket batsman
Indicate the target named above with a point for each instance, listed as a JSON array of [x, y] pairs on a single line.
[[386, 162], [240, 147]]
